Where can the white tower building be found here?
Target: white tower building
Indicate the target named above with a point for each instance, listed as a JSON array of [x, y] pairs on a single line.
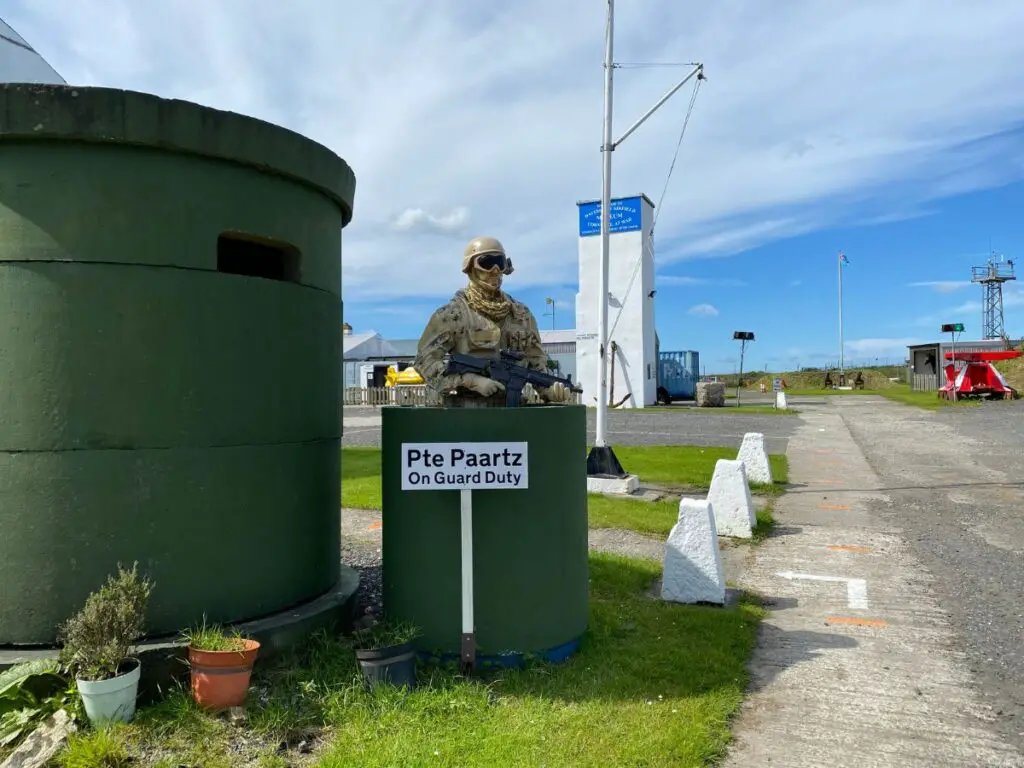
[[633, 362]]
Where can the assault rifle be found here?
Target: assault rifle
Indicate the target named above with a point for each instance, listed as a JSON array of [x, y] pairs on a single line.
[[508, 371]]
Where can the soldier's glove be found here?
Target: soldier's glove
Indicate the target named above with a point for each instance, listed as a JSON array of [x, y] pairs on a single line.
[[481, 384], [556, 393]]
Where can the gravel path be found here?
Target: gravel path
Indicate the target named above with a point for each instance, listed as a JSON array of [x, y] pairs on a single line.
[[955, 480]]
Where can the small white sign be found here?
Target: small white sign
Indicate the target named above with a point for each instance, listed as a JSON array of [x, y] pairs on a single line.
[[464, 466]]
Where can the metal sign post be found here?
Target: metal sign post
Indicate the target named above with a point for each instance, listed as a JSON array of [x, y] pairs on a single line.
[[952, 329], [743, 337], [467, 645], [465, 467]]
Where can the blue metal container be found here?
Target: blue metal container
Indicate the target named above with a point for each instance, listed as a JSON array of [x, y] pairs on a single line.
[[678, 373]]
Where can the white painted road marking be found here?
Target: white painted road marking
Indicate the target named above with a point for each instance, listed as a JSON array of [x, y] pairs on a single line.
[[856, 589]]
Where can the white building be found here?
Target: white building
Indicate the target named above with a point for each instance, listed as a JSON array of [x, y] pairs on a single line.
[[368, 355], [633, 362]]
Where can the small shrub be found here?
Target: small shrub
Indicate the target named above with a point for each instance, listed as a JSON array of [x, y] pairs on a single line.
[[98, 639]]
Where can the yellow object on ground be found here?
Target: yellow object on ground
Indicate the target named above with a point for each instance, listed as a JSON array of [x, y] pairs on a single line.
[[408, 377]]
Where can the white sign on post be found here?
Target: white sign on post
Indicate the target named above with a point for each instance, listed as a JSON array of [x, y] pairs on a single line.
[[464, 466]]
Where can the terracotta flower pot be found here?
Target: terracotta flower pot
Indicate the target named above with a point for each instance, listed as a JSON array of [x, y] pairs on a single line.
[[220, 679]]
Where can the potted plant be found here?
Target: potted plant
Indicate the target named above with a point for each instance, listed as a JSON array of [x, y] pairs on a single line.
[[97, 643], [221, 663], [385, 653]]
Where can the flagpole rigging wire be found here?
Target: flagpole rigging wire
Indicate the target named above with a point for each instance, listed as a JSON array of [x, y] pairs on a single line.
[[657, 211]]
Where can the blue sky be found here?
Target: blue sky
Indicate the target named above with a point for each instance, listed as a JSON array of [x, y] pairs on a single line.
[[904, 280], [889, 129]]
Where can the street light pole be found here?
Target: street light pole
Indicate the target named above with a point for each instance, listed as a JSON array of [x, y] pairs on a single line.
[[842, 346]]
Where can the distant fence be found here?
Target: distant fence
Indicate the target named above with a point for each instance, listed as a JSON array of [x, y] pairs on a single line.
[[408, 395], [414, 395], [924, 382]]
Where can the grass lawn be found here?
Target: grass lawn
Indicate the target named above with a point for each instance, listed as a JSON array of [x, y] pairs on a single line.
[[676, 467], [690, 467], [655, 518], [654, 684], [360, 478], [927, 400], [900, 393]]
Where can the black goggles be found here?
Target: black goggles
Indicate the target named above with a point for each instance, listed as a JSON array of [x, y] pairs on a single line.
[[492, 260]]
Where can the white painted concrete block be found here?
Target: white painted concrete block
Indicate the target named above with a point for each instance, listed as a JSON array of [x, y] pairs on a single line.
[[780, 400], [730, 500], [693, 570], [755, 458], [625, 485]]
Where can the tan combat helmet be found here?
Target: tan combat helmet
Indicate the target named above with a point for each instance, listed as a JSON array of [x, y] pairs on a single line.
[[484, 246]]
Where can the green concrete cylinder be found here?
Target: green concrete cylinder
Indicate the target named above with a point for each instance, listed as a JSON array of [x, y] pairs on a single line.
[[170, 358], [529, 545]]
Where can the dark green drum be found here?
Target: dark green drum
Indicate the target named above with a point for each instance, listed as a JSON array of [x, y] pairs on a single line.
[[529, 545]]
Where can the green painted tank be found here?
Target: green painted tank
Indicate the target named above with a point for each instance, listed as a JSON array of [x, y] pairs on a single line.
[[170, 358]]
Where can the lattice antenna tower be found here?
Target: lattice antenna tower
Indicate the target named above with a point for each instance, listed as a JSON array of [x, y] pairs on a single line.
[[991, 276]]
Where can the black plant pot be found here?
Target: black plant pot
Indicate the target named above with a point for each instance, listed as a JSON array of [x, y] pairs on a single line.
[[395, 664]]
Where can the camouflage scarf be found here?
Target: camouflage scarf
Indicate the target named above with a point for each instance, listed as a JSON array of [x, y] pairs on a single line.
[[495, 305]]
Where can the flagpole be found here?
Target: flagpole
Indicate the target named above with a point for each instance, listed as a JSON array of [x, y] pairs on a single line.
[[842, 376]]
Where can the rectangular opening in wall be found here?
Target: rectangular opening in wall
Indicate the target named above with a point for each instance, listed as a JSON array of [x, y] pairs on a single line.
[[239, 253]]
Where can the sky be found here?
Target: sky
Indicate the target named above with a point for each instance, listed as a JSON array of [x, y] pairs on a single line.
[[892, 131]]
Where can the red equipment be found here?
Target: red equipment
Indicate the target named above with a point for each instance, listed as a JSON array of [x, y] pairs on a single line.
[[979, 377]]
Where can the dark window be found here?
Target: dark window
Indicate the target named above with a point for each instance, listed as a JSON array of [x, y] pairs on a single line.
[[243, 254]]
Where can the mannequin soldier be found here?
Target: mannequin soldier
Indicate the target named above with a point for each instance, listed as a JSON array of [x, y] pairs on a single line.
[[481, 320]]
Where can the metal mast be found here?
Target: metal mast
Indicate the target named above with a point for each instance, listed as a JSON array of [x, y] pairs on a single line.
[[602, 460], [991, 276]]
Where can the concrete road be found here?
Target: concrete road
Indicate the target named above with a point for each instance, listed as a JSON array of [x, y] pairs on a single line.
[[955, 483], [654, 426], [860, 661]]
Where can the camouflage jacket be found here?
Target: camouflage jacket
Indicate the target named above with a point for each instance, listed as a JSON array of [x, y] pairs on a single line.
[[456, 327]]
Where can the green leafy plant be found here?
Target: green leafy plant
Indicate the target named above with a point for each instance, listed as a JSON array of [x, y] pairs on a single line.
[[97, 640], [29, 693], [385, 634], [213, 638]]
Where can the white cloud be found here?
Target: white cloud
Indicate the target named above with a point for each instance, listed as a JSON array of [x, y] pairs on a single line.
[[416, 219], [881, 347], [942, 286], [969, 312], [703, 310], [445, 105]]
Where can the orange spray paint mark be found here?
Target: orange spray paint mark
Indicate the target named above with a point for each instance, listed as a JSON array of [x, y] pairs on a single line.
[[373, 526], [834, 507], [856, 622], [847, 548]]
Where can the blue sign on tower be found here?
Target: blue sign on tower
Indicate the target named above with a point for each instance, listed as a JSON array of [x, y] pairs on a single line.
[[625, 216]]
